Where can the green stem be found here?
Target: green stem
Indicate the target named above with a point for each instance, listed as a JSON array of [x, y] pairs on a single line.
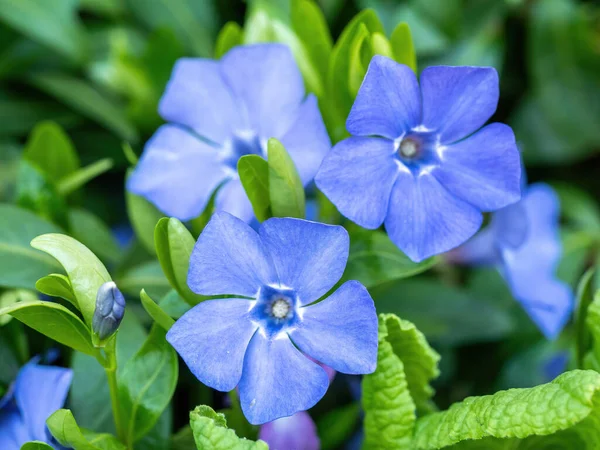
[[111, 374]]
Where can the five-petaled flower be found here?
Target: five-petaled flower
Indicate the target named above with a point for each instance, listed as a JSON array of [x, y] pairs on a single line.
[[523, 241], [219, 111], [261, 340], [413, 161]]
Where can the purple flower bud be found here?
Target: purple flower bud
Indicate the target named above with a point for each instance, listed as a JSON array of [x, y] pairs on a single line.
[[297, 432], [110, 308]]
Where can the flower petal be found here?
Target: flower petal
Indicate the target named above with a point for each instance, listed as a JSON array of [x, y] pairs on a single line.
[[357, 175], [424, 219], [229, 258], [388, 102], [308, 257], [484, 169], [212, 338], [232, 198], [13, 430], [293, 432], [39, 392], [177, 172], [307, 140], [341, 331], [198, 97], [278, 380], [267, 80], [481, 249], [457, 101]]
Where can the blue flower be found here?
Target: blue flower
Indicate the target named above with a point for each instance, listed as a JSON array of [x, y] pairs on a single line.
[[219, 111], [262, 339], [294, 432], [523, 240], [413, 161], [37, 393]]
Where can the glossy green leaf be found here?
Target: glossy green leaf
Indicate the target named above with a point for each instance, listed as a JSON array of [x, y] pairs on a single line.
[[211, 432], [36, 445], [174, 245], [147, 384], [285, 187], [85, 271], [149, 276], [143, 216], [585, 297], [82, 176], [57, 285], [361, 52], [156, 312], [53, 24], [87, 100], [254, 175], [230, 36], [54, 321], [21, 265], [374, 259], [402, 46], [50, 149], [65, 430], [94, 234]]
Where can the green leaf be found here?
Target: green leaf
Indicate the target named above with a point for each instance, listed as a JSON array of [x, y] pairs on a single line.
[[148, 276], [156, 312], [174, 245], [53, 24], [174, 305], [517, 413], [211, 432], [85, 271], [50, 149], [361, 52], [143, 216], [82, 176], [11, 297], [93, 233], [592, 321], [254, 175], [18, 115], [147, 384], [65, 430], [285, 187], [20, 265], [87, 100], [55, 321], [402, 46], [338, 425], [36, 445], [374, 259], [585, 297], [57, 285], [230, 36]]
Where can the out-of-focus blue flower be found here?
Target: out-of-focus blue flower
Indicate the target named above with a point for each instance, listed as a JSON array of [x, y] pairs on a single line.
[[219, 111], [296, 432], [523, 240], [416, 160], [555, 365], [277, 276], [110, 309], [37, 392]]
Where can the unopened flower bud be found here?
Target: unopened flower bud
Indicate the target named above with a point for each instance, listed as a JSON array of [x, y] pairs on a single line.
[[110, 308]]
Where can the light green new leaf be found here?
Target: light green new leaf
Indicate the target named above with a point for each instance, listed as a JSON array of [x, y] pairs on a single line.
[[92, 232], [285, 187], [361, 52], [174, 245], [82, 176], [85, 271], [51, 150], [230, 36], [36, 445], [147, 384], [65, 430], [518, 413], [57, 285], [211, 432], [402, 46], [55, 321], [21, 265], [53, 24], [389, 408], [156, 312], [254, 175], [143, 216]]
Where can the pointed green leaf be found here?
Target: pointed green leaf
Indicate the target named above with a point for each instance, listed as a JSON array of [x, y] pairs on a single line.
[[85, 271], [36, 445], [230, 36], [143, 216], [55, 321], [174, 305], [156, 312], [65, 430], [211, 432], [254, 175], [57, 285], [285, 187], [402, 46], [82, 176]]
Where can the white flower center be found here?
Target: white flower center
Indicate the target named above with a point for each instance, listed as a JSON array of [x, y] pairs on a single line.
[[409, 148], [280, 308]]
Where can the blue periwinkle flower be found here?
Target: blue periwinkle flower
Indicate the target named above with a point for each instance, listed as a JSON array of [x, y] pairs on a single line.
[[523, 241], [110, 309], [417, 161], [262, 339], [219, 111], [294, 432], [37, 392]]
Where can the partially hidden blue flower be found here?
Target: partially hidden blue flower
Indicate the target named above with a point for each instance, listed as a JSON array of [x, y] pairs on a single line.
[[416, 159], [297, 432], [523, 241], [261, 340], [219, 111], [37, 392]]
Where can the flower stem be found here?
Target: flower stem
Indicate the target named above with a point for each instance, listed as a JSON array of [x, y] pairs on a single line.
[[111, 374]]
